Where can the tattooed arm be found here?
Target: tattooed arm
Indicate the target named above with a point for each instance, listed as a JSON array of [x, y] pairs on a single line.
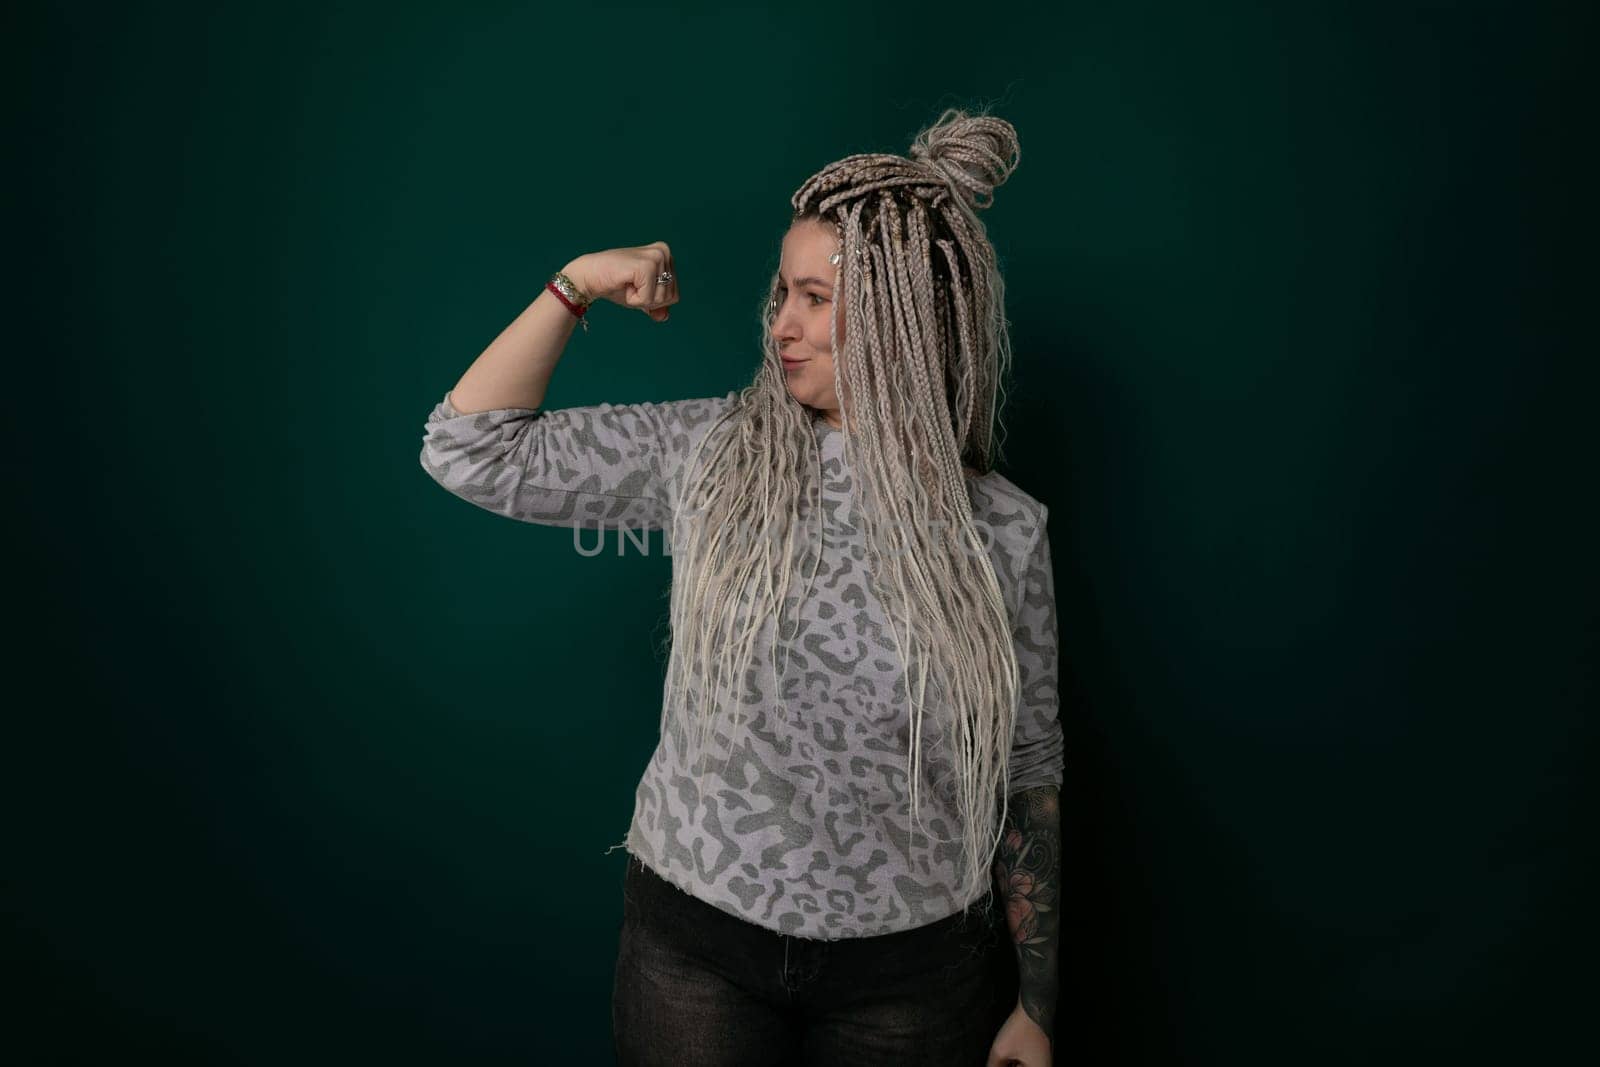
[[1027, 873]]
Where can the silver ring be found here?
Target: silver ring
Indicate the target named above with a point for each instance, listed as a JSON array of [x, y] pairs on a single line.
[[664, 277]]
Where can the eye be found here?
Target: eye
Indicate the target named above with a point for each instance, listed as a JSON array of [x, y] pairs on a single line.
[[783, 291]]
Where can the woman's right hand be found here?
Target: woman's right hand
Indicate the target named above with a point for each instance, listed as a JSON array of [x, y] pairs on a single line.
[[627, 276]]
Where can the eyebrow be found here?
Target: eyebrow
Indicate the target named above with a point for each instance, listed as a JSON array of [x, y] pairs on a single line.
[[808, 281]]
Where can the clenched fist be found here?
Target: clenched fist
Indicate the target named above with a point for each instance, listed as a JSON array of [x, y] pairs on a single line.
[[629, 277]]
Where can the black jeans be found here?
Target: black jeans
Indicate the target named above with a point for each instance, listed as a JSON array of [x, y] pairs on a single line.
[[697, 985]]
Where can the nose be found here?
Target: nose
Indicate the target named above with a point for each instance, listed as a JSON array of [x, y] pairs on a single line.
[[785, 326]]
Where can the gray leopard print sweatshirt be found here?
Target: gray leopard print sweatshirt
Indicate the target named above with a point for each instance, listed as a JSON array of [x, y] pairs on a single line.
[[803, 826]]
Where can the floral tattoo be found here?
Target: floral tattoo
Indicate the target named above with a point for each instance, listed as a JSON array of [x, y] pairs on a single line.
[[1027, 874]]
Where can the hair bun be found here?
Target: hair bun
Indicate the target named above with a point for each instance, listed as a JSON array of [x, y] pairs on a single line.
[[973, 153]]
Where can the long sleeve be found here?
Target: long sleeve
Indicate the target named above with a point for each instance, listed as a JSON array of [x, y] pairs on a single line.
[[614, 466], [1037, 754]]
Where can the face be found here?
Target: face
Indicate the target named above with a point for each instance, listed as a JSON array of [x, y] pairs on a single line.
[[805, 313]]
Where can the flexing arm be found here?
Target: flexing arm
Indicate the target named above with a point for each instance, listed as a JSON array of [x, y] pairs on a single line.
[[515, 370], [599, 466]]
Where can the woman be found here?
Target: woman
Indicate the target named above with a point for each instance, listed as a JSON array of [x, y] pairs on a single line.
[[858, 728]]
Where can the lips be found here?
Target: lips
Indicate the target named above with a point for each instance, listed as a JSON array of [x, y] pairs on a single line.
[[792, 363]]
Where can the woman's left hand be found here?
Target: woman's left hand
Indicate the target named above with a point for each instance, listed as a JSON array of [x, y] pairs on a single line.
[[1021, 1042]]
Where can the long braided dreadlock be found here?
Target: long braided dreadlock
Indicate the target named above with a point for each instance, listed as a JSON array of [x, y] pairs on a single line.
[[920, 384]]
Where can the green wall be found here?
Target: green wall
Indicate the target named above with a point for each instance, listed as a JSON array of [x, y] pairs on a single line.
[[313, 762]]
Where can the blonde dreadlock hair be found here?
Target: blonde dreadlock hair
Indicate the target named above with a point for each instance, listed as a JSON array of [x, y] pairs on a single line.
[[920, 383]]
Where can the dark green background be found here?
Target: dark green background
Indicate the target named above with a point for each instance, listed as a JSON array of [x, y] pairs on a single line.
[[313, 762]]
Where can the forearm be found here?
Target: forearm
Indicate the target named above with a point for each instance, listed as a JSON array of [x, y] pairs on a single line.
[[1027, 873], [515, 370]]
